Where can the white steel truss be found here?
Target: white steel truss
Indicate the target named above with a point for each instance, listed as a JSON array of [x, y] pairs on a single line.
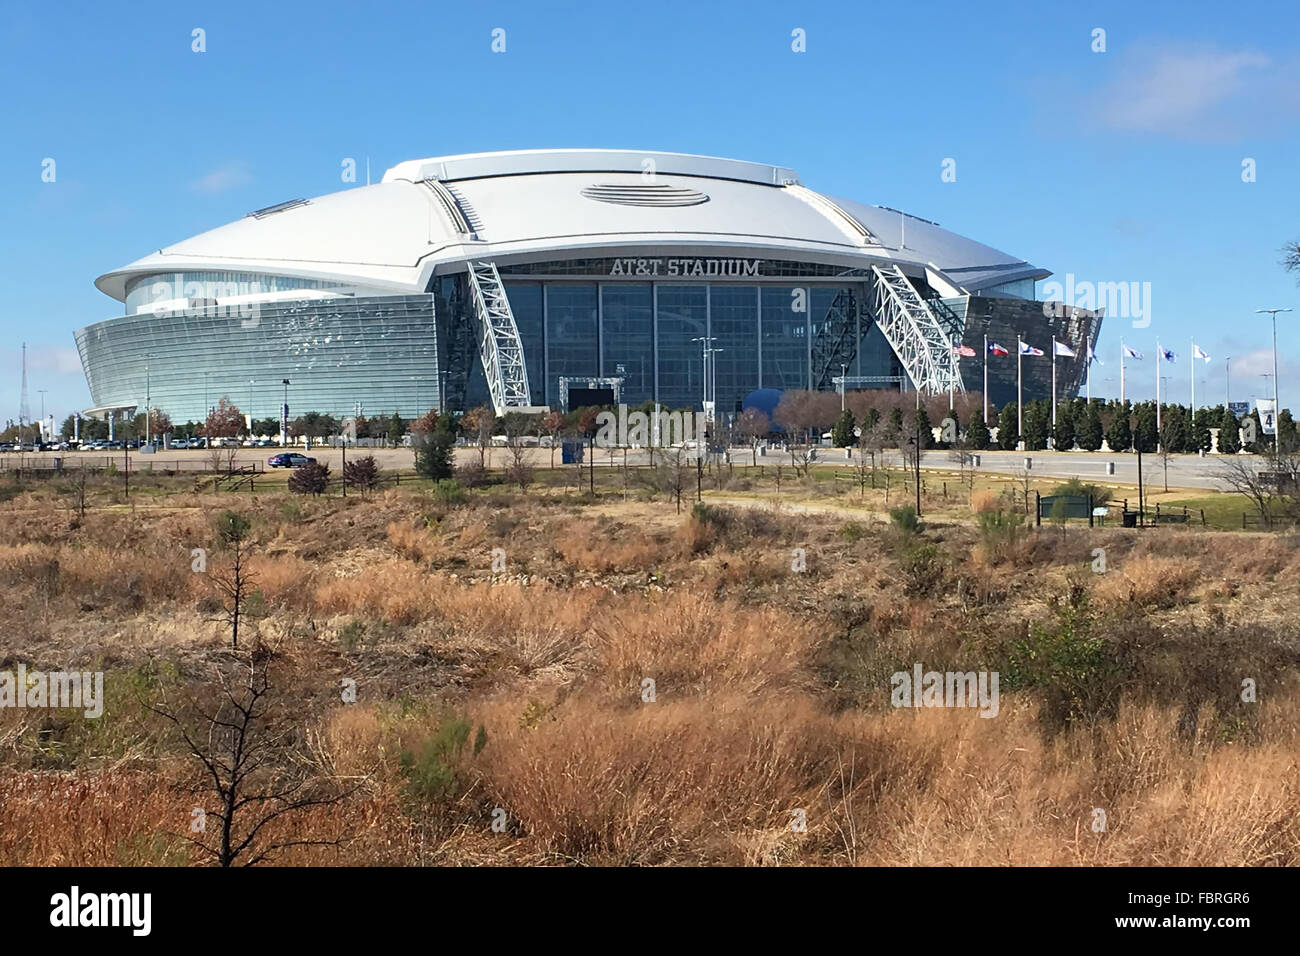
[[914, 333], [499, 346]]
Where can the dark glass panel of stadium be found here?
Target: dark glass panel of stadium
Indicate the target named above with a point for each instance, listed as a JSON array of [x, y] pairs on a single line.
[[683, 316], [733, 323], [571, 345], [627, 339]]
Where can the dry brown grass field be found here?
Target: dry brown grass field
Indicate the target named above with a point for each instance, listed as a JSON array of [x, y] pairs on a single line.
[[500, 648]]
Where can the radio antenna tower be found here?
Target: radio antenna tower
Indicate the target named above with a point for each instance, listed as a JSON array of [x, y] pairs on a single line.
[[23, 412]]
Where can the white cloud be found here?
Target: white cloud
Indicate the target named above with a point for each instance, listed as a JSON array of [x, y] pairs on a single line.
[[1197, 93], [44, 358], [231, 175], [1257, 363]]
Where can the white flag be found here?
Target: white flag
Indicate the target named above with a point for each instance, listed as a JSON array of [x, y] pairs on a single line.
[[1198, 352]]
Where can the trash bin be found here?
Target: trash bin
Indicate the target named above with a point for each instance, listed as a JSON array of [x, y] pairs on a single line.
[[1129, 519]]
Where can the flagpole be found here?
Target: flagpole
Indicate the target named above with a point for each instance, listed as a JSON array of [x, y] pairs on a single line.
[[1192, 364], [952, 379], [1087, 374], [1020, 389], [1121, 372], [986, 380], [1053, 381], [1159, 356]]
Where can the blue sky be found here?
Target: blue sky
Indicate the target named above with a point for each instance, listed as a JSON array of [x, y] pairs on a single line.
[[1117, 166]]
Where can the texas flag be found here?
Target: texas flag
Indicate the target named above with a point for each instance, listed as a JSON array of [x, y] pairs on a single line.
[[1027, 349], [996, 349], [1198, 352], [963, 350], [1132, 353], [1060, 348]]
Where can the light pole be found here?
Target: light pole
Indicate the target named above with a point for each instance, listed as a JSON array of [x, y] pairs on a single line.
[[250, 408], [707, 349], [1277, 409], [844, 370], [284, 416], [40, 432], [148, 408], [1227, 381]]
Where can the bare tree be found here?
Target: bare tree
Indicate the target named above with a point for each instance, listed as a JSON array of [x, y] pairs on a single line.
[[671, 474], [1291, 256], [551, 425], [1271, 487], [518, 469], [253, 759], [478, 424], [753, 425], [1025, 478], [77, 493], [233, 582]]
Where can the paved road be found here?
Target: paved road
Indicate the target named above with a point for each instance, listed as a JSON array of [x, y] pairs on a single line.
[[1185, 471]]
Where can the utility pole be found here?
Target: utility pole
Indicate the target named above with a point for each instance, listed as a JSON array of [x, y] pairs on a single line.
[[148, 408], [23, 412], [917, 464], [284, 416], [1277, 409], [1141, 511], [707, 351]]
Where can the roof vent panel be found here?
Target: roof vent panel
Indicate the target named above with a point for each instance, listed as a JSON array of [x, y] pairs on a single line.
[[278, 207], [644, 194]]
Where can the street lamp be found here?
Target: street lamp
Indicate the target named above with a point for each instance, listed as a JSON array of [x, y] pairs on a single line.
[[284, 416], [1277, 409], [1227, 381], [707, 349], [148, 408], [40, 432]]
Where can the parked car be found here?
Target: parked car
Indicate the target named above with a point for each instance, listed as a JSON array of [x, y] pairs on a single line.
[[289, 459], [195, 443]]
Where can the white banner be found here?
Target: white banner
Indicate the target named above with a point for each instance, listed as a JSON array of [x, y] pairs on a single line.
[[1267, 419]]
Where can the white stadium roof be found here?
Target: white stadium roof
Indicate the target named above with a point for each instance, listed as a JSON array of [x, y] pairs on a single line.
[[432, 215]]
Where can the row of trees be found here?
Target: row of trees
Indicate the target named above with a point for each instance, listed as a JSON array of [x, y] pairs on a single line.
[[226, 420], [1080, 424]]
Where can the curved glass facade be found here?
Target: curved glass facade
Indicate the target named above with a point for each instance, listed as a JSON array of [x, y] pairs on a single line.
[[144, 292], [381, 352], [410, 353]]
